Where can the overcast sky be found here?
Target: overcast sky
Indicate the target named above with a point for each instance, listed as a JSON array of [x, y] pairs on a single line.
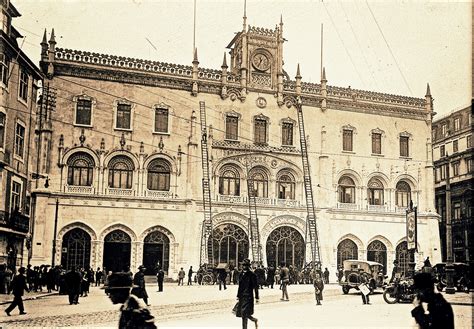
[[390, 46]]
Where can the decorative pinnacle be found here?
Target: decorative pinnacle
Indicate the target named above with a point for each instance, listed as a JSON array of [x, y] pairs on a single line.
[[428, 91], [281, 19], [45, 40], [298, 75], [52, 39], [323, 78], [224, 62], [195, 59]]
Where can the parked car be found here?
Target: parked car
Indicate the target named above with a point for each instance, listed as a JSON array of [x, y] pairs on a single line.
[[461, 276], [372, 271]]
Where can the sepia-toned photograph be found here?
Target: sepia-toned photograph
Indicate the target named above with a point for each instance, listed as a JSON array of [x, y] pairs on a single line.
[[236, 164]]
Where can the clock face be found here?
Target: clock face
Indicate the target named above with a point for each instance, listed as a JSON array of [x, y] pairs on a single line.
[[261, 62]]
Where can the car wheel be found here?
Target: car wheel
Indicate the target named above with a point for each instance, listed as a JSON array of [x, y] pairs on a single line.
[[389, 296]]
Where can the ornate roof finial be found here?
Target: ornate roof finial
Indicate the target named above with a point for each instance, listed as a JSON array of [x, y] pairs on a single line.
[[298, 75], [122, 141], [82, 138], [45, 40], [245, 16], [324, 75], [161, 145], [52, 38], [224, 62], [428, 91], [195, 58]]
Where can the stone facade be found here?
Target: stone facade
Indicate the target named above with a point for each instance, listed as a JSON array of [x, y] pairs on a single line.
[[452, 146], [252, 130], [18, 93]]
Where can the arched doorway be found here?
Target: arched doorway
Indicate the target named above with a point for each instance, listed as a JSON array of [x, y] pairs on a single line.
[[76, 249], [346, 249], [377, 252], [231, 244], [285, 244], [404, 257], [117, 251], [156, 250]]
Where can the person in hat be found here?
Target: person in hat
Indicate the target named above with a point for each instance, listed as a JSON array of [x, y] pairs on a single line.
[[73, 280], [139, 281], [247, 286], [133, 314], [396, 272], [18, 285], [285, 280], [431, 309]]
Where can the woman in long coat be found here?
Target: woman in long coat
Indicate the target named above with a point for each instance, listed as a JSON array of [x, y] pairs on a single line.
[[247, 286]]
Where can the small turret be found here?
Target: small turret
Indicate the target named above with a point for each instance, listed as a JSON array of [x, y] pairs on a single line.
[[195, 90], [44, 47], [224, 77], [429, 99], [298, 81], [324, 92], [51, 53]]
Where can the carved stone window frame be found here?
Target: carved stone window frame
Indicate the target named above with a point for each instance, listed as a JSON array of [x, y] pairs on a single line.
[[353, 129], [132, 111], [410, 142], [382, 136], [75, 99], [164, 106], [234, 114], [294, 123], [261, 116]]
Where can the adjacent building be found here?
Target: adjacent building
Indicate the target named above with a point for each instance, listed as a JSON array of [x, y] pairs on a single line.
[[454, 180], [124, 162], [18, 90]]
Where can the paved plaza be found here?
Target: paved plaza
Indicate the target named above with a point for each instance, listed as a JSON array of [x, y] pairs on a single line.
[[206, 306]]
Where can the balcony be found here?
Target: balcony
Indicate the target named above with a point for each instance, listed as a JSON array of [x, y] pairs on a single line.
[[158, 194], [119, 191], [347, 206], [16, 221], [79, 189], [243, 200], [377, 208]]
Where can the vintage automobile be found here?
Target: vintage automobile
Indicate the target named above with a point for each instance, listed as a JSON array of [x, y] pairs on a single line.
[[461, 279], [372, 271]]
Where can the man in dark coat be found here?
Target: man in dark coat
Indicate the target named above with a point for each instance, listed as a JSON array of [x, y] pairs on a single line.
[[139, 289], [18, 286], [190, 276], [133, 314], [160, 276], [438, 313], [326, 275], [72, 280], [318, 288], [270, 276], [247, 286], [222, 276]]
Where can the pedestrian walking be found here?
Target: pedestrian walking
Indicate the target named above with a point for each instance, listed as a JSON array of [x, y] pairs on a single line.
[[248, 285], [431, 310], [270, 276], [160, 276], [285, 280], [139, 288], [190, 276], [18, 288], [340, 274], [318, 288], [181, 275], [72, 280], [133, 314], [326, 275]]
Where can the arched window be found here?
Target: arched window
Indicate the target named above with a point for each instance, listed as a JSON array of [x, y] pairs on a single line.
[[76, 249], [156, 252], [260, 182], [375, 192], [121, 172], [377, 252], [346, 249], [286, 186], [404, 257], [285, 244], [117, 251], [80, 169], [231, 244], [346, 190], [403, 194], [229, 181], [159, 171]]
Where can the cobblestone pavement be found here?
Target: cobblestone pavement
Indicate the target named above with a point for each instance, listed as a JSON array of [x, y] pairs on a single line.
[[199, 305]]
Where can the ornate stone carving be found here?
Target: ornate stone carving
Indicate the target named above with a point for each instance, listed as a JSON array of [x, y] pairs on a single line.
[[283, 220], [231, 217]]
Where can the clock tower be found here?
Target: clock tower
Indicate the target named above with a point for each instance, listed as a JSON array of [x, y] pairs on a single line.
[[257, 56]]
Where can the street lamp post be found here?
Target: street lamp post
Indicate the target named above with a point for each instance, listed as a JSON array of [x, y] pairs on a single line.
[[53, 256], [449, 238]]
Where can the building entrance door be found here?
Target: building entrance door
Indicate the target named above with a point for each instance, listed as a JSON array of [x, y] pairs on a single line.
[[156, 252], [117, 251], [285, 244], [76, 249]]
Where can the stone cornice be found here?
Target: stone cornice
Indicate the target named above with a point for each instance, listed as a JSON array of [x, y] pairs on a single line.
[[249, 147]]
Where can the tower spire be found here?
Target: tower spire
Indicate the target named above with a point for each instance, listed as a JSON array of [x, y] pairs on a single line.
[[245, 16], [428, 91]]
